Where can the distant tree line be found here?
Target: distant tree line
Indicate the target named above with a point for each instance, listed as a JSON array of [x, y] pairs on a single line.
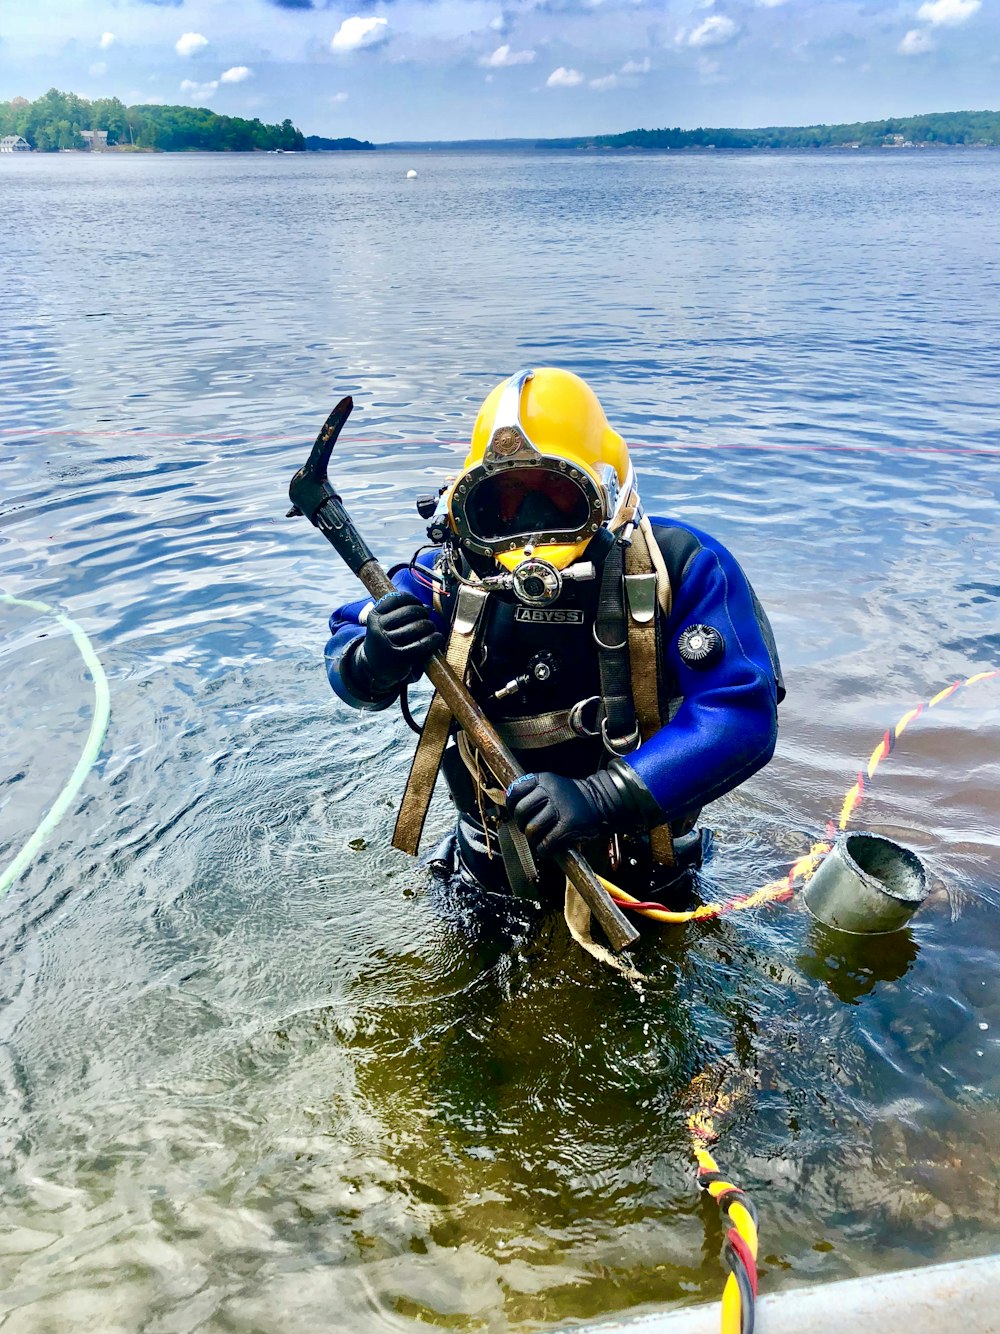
[[55, 120], [980, 128], [315, 143]]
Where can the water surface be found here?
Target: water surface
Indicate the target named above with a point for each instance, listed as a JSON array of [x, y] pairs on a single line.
[[253, 1076]]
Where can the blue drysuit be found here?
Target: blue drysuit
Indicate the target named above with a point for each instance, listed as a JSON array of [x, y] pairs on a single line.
[[723, 716]]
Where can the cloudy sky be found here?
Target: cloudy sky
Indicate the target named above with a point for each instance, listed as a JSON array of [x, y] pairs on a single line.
[[444, 69]]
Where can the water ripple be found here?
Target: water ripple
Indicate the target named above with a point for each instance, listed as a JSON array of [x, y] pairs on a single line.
[[251, 1071]]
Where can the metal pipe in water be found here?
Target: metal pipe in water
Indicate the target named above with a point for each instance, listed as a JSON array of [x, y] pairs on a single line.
[[866, 885]]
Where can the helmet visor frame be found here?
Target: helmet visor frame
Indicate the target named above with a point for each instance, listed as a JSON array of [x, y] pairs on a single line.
[[562, 505]]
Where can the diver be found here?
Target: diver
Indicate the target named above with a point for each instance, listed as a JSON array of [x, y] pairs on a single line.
[[624, 659]]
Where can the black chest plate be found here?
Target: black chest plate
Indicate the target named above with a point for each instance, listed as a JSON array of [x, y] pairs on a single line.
[[511, 637]]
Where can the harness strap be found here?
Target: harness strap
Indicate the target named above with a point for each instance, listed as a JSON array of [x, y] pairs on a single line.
[[647, 548], [578, 920], [483, 777], [619, 727], [518, 859], [646, 584], [434, 736], [538, 730]]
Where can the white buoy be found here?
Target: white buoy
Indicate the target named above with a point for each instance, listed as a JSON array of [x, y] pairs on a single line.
[[411, 175]]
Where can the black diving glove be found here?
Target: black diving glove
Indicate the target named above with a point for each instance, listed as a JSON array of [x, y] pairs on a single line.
[[555, 812], [399, 638]]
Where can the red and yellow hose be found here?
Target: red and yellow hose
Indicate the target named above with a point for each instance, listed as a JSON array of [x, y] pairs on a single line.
[[775, 891], [778, 891], [739, 1249], [855, 794]]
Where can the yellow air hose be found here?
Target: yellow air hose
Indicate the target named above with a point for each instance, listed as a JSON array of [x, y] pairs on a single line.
[[739, 1250], [91, 749]]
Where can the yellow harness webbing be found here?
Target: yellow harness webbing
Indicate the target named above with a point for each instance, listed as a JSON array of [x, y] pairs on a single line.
[[434, 734], [647, 583]]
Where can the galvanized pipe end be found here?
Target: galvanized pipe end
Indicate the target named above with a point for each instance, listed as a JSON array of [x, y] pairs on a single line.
[[866, 885]]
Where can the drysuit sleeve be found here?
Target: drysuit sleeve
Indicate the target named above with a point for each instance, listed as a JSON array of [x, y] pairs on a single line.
[[347, 629], [726, 726]]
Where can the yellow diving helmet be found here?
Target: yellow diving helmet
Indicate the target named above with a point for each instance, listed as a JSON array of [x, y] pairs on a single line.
[[544, 472]]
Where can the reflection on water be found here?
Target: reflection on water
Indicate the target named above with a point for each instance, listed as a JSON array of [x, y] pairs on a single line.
[[253, 1074], [851, 965]]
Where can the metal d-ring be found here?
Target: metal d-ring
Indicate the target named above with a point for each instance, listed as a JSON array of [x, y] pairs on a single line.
[[575, 718], [621, 745]]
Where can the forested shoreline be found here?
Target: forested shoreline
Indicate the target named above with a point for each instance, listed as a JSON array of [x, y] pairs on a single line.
[[979, 129], [56, 120], [316, 143]]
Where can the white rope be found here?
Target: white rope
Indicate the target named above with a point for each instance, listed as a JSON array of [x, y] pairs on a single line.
[[91, 750]]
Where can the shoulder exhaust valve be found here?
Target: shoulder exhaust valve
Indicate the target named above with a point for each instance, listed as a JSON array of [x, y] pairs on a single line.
[[700, 646]]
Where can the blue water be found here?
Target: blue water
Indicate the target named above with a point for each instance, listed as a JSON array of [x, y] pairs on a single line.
[[253, 1076]]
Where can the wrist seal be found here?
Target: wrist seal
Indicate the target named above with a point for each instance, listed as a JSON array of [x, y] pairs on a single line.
[[634, 798], [357, 671]]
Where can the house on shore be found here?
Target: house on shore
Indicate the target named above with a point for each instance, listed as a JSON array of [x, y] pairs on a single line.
[[95, 139], [13, 143]]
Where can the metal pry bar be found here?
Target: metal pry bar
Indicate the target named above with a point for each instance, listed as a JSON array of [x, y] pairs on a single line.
[[312, 495]]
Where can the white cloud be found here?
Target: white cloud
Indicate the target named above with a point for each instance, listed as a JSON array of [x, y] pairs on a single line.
[[707, 68], [604, 84], [564, 78], [357, 32], [190, 42], [201, 91], [499, 24], [642, 66], [107, 39], [503, 57], [770, 4], [915, 43], [338, 97], [948, 12], [715, 30], [98, 69], [236, 75]]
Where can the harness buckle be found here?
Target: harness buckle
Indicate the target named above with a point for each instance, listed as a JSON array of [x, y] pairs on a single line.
[[640, 589]]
